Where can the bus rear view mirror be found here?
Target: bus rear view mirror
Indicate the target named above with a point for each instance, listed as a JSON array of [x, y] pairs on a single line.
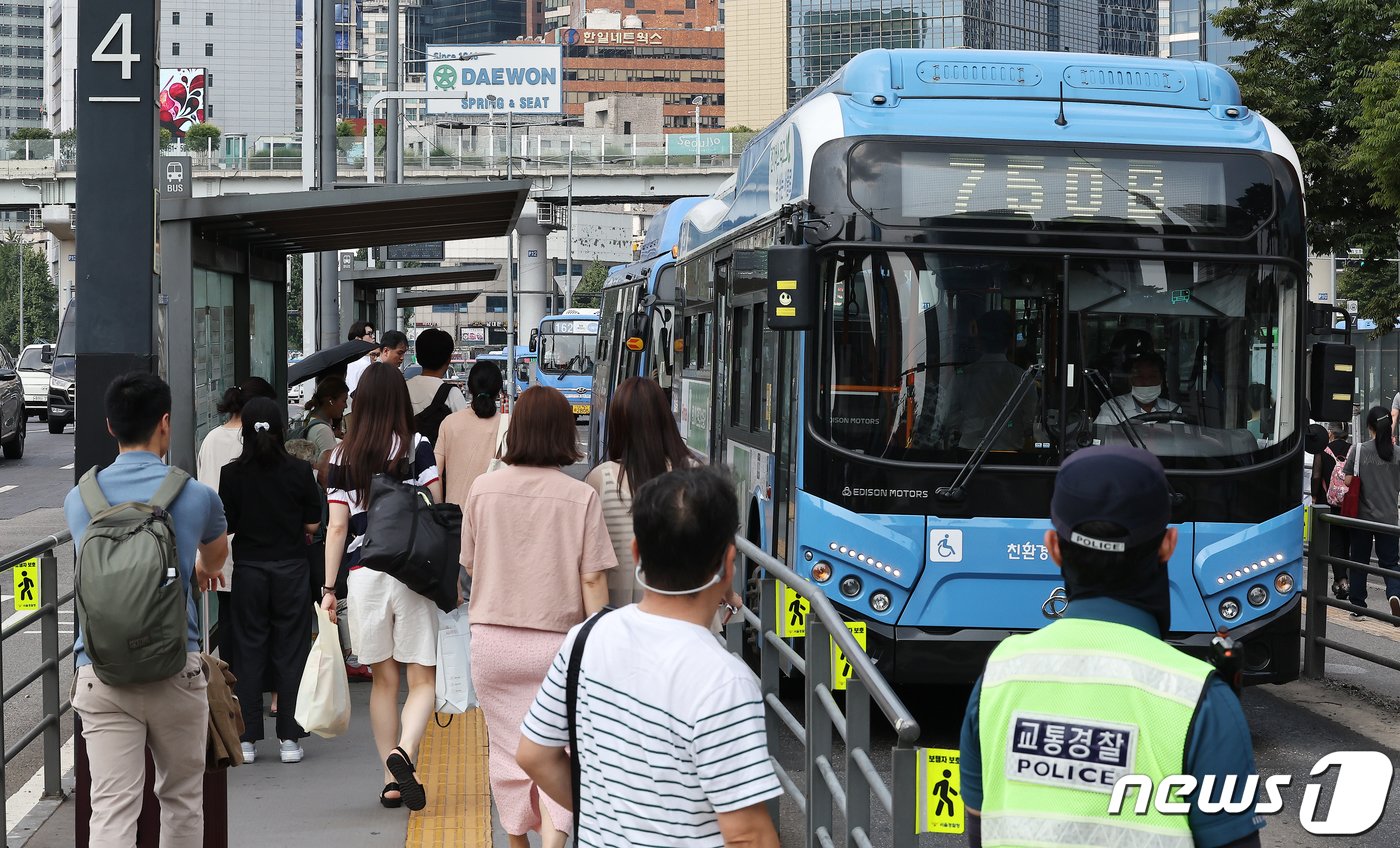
[[46, 354], [534, 340], [793, 298], [638, 330], [1332, 381]]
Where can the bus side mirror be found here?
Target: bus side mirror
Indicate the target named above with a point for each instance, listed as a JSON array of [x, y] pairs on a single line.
[[793, 298], [637, 330], [46, 355], [1332, 381], [534, 340]]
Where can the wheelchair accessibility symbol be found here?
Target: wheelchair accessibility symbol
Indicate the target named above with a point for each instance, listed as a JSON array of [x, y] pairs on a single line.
[[945, 545]]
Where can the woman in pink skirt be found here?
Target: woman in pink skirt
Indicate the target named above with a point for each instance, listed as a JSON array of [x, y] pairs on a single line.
[[536, 546]]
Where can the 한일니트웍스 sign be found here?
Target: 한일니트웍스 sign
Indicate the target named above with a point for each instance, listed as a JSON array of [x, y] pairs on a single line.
[[523, 79]]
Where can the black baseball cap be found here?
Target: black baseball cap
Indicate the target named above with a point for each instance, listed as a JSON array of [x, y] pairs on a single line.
[[1116, 484]]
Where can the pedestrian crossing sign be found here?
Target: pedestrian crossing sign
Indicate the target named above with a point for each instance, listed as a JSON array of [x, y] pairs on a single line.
[[840, 668], [27, 585], [793, 610], [939, 792]]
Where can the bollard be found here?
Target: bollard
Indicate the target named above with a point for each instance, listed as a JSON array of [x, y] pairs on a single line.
[[53, 738], [1315, 625], [768, 672], [857, 739]]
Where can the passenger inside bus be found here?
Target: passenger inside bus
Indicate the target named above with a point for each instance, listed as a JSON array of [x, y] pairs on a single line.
[[980, 388]]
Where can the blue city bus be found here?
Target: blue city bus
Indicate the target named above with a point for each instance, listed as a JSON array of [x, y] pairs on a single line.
[[982, 258], [523, 358], [564, 347], [639, 306]]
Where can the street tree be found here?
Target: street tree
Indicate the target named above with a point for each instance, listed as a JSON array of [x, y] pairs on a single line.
[[40, 295], [1310, 70], [202, 137], [589, 293]]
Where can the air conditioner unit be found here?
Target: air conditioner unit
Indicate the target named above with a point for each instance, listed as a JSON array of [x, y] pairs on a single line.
[[545, 214]]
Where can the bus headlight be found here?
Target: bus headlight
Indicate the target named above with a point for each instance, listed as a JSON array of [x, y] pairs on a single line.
[[1283, 583], [821, 572], [1229, 609], [850, 586], [1258, 596], [880, 601]]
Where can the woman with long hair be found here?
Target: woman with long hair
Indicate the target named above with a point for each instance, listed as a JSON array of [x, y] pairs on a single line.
[[324, 411], [389, 622], [272, 501], [1374, 462], [469, 438], [642, 442], [534, 541]]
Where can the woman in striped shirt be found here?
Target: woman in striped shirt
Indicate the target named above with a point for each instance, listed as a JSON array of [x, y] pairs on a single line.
[[642, 443], [389, 622]]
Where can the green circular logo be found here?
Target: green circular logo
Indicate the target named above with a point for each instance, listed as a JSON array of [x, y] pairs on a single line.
[[445, 77]]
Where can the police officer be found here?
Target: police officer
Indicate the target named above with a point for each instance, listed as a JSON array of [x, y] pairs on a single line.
[[1060, 714]]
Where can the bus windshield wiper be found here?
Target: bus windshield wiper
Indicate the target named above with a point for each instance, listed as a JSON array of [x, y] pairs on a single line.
[[958, 490]]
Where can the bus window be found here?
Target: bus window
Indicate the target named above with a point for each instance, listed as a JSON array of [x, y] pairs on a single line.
[[741, 368], [702, 340], [765, 377]]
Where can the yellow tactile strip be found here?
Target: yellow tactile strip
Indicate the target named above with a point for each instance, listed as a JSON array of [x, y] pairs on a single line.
[[452, 766]]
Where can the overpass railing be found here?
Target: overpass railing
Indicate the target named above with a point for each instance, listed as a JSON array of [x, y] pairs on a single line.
[[589, 151], [47, 670], [1320, 563], [824, 794]]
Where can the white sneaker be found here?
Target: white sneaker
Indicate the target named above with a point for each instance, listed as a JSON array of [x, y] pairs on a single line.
[[291, 751], [249, 755]]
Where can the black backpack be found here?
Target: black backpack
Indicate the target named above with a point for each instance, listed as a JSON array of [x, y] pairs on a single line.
[[430, 419]]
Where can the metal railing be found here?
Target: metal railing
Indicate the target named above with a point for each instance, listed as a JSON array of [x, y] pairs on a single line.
[[825, 793], [1320, 561], [47, 671], [589, 151]]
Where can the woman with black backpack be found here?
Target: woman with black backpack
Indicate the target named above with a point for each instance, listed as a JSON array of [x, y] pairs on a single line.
[[272, 502], [390, 624]]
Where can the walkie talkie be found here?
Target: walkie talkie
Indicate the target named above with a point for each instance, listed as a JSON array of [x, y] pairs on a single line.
[[1228, 658]]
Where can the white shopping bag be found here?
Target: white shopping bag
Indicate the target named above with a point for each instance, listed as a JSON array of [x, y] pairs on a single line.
[[455, 693], [323, 698]]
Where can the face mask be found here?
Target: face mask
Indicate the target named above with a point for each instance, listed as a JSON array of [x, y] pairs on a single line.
[[1146, 394]]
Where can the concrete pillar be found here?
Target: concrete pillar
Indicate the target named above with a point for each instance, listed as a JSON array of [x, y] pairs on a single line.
[[63, 250], [536, 281]]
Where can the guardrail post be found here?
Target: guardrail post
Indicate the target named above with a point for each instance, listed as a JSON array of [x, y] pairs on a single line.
[[1315, 623], [4, 788], [818, 727], [857, 739], [53, 737], [768, 671], [904, 787]]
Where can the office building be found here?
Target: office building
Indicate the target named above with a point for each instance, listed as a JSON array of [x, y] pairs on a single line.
[[473, 21], [21, 66], [61, 48], [1189, 33], [248, 67]]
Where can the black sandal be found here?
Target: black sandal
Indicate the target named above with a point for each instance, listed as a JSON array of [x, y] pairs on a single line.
[[402, 768], [390, 802]]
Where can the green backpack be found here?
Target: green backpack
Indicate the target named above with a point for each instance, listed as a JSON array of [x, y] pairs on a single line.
[[131, 601]]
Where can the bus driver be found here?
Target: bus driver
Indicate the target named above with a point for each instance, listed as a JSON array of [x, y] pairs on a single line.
[[1145, 396]]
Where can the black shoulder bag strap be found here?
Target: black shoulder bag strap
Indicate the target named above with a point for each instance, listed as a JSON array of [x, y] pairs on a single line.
[[571, 708], [440, 397]]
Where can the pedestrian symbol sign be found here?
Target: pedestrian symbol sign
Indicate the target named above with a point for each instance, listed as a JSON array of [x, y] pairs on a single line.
[[939, 792], [840, 667], [793, 610], [27, 585]]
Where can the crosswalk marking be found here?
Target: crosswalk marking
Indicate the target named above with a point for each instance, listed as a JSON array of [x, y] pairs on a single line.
[[4, 489], [68, 467]]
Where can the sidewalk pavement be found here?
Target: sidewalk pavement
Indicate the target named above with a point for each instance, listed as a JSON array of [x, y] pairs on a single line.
[[332, 796]]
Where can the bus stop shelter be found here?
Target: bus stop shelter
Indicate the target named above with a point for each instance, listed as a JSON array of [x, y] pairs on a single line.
[[223, 273]]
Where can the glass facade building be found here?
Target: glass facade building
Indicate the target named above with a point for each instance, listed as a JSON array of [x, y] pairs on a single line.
[[824, 34], [1189, 33], [21, 66], [472, 21]]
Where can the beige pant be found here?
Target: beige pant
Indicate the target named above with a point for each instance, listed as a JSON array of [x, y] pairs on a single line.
[[169, 716]]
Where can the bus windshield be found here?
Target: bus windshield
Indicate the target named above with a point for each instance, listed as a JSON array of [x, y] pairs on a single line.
[[923, 352], [565, 350]]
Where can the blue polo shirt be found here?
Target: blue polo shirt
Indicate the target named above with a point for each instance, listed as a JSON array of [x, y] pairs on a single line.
[[1218, 742], [198, 518]]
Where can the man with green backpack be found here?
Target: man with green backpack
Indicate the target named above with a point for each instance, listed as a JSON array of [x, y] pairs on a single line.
[[137, 525]]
